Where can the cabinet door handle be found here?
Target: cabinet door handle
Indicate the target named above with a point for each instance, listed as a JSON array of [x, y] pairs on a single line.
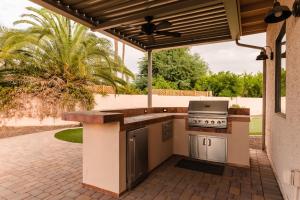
[[204, 141], [134, 157], [209, 142]]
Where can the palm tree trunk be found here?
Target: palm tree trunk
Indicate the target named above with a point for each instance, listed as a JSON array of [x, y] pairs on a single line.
[[116, 50], [123, 60]]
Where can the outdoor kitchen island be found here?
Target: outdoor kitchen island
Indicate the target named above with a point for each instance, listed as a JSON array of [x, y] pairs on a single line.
[[104, 141]]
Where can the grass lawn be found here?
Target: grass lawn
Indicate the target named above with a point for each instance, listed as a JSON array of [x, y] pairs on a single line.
[[256, 125], [70, 135]]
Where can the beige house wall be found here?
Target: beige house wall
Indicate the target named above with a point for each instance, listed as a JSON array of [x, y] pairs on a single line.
[[283, 133]]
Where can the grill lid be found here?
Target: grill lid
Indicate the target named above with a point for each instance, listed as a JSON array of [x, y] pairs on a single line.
[[208, 107]]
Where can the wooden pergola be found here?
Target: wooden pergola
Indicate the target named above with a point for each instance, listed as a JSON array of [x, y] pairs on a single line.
[[198, 22]]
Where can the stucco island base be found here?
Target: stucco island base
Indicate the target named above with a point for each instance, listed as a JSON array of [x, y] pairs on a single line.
[[102, 160]]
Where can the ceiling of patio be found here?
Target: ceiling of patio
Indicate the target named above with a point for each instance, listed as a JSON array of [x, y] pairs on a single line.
[[198, 21]]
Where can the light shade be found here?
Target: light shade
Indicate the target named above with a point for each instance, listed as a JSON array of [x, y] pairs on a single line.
[[296, 8], [262, 56], [278, 13]]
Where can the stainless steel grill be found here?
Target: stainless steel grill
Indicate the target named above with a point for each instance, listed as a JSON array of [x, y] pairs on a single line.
[[208, 114]]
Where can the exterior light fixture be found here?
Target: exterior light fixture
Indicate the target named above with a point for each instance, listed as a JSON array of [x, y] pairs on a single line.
[[262, 56], [280, 12], [296, 8]]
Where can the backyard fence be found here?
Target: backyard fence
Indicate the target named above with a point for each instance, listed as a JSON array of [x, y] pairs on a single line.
[[169, 92], [104, 89]]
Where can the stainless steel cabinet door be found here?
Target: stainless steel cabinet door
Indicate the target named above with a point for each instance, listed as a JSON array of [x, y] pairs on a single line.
[[202, 147], [137, 155], [141, 153], [216, 149]]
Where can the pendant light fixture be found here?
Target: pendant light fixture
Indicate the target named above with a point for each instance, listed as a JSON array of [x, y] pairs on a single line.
[[296, 8], [262, 56], [281, 12], [278, 13]]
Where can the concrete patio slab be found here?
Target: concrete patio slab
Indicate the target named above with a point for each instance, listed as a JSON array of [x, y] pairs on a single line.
[[38, 166]]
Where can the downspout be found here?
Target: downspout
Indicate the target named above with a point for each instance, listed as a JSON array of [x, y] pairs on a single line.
[[264, 90]]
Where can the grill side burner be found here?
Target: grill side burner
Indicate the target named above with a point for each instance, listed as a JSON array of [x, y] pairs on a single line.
[[208, 114]]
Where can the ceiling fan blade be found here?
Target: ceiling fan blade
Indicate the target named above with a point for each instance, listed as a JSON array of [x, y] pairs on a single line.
[[167, 33], [163, 24]]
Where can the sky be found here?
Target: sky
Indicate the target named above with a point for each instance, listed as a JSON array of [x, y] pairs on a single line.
[[224, 56]]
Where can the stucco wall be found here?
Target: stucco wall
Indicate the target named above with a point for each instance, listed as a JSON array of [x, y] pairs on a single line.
[[135, 101], [158, 150], [283, 133]]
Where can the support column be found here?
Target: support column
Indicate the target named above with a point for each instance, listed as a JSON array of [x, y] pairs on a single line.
[[264, 90], [149, 78], [264, 105]]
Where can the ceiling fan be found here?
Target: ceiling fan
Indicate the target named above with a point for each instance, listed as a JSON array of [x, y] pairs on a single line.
[[150, 29]]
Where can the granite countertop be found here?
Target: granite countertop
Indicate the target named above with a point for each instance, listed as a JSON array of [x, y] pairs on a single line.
[[96, 117], [133, 118], [150, 117]]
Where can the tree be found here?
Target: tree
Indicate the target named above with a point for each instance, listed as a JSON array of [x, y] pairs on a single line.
[[225, 84], [57, 60], [252, 85], [176, 68]]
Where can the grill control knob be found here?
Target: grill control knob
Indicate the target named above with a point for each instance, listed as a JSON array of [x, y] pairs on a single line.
[[206, 121], [219, 122], [212, 122], [194, 121]]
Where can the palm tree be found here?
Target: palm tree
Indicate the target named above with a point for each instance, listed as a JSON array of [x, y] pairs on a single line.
[[55, 52]]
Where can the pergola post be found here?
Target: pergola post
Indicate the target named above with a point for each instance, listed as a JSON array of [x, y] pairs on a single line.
[[264, 105], [149, 79]]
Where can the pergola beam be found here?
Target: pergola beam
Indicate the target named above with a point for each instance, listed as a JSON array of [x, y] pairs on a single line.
[[163, 10], [233, 17], [63, 10]]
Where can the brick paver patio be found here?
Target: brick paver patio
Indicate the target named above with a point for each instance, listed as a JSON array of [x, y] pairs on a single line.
[[38, 166]]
